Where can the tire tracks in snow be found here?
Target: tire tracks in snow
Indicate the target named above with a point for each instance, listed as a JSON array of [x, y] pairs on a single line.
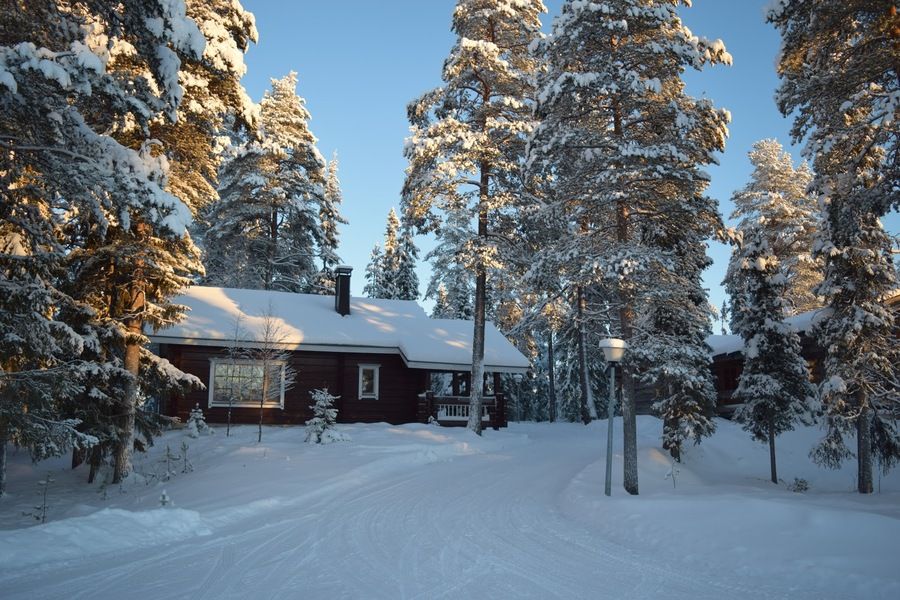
[[481, 525]]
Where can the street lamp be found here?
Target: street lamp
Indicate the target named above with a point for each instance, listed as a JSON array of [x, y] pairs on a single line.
[[613, 349]]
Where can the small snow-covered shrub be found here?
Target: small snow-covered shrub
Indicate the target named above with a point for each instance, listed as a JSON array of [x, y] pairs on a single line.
[[799, 485], [321, 428], [196, 424]]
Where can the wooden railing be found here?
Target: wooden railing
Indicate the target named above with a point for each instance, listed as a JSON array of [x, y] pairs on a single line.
[[454, 410]]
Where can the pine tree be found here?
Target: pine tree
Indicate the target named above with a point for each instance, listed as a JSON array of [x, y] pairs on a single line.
[[265, 228], [615, 117], [777, 193], [329, 219], [838, 67], [774, 388], [468, 138]]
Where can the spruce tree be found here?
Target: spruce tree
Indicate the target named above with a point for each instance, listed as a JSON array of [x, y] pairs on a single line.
[[86, 121], [407, 281], [838, 66], [451, 285], [374, 273], [389, 257], [265, 230], [468, 138], [774, 388], [777, 193], [391, 272], [321, 428], [329, 219], [622, 145]]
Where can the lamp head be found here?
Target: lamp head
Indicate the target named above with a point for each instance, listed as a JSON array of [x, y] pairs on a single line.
[[613, 349]]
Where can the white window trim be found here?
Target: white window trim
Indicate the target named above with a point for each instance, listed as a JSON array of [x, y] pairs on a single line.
[[374, 396], [212, 403]]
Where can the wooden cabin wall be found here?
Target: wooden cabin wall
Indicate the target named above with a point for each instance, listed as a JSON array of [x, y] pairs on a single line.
[[399, 387]]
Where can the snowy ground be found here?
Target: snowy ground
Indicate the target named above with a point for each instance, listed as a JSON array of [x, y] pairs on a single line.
[[425, 512]]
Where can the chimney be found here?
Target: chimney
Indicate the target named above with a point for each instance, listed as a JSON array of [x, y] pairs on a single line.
[[342, 290]]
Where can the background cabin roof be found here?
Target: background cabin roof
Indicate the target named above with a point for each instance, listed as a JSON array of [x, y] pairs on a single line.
[[310, 322], [726, 344]]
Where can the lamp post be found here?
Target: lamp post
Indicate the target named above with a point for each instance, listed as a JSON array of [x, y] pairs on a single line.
[[613, 349]]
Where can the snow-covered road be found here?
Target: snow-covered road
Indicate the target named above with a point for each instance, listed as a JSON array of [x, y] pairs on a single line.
[[438, 517]]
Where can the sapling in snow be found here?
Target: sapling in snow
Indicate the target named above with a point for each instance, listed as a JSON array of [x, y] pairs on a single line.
[[40, 511], [169, 460], [186, 466], [196, 424], [321, 428]]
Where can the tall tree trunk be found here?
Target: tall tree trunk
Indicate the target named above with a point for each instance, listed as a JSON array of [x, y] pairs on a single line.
[[132, 363], [480, 302], [4, 439], [262, 400], [95, 455], [484, 191], [629, 418], [864, 444], [273, 249], [626, 312], [551, 371], [583, 376], [772, 465]]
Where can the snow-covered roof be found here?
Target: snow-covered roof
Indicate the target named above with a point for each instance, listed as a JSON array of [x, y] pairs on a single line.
[[726, 344], [310, 322]]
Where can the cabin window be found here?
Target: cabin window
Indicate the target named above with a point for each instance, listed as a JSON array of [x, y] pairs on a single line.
[[368, 381], [241, 383]]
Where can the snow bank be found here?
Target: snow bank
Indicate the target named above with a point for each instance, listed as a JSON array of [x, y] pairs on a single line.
[[107, 530]]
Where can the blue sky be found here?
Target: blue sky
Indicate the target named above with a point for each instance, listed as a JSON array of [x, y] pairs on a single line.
[[360, 62]]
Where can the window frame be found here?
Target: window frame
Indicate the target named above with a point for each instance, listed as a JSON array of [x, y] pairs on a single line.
[[376, 380], [213, 403]]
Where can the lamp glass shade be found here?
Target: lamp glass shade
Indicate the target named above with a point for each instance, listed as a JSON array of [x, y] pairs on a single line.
[[613, 349]]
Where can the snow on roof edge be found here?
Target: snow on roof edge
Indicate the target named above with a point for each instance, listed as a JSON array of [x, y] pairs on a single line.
[[310, 323]]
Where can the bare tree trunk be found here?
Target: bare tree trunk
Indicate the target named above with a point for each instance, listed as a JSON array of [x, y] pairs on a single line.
[[132, 364], [273, 249], [864, 445], [629, 418], [262, 400], [475, 386], [772, 466], [626, 313], [551, 371], [4, 439], [94, 457], [583, 379]]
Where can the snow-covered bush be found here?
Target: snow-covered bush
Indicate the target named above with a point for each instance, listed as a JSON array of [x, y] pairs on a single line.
[[799, 485], [321, 428], [196, 423]]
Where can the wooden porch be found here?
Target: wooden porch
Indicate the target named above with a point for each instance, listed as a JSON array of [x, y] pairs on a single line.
[[453, 411]]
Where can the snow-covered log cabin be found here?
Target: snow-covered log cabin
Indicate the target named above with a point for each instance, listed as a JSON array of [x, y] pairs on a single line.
[[376, 355], [728, 353]]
